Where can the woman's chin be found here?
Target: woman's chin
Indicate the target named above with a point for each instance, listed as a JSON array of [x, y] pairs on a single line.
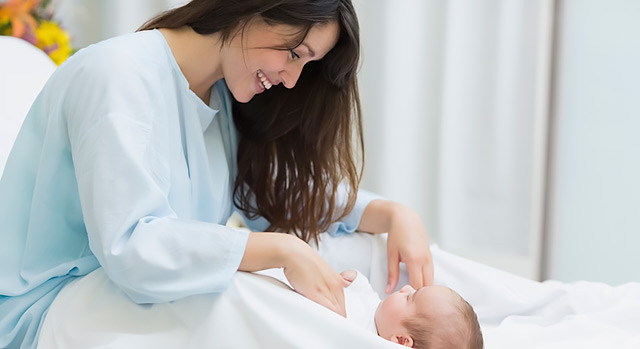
[[243, 97]]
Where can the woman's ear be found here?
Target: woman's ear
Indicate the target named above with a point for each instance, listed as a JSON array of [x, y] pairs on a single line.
[[405, 340]]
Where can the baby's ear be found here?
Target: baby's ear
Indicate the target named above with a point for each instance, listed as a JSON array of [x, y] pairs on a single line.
[[407, 341]]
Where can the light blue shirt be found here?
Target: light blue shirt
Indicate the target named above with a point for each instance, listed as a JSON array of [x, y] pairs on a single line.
[[119, 164]]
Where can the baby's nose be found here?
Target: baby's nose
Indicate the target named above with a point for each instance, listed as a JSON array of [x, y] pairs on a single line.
[[406, 288]]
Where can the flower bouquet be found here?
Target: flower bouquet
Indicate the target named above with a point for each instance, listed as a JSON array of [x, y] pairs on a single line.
[[32, 20]]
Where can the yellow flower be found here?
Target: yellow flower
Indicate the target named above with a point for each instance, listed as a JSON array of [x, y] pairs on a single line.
[[54, 41]]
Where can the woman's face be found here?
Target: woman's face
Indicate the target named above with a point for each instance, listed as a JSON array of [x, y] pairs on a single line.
[[251, 64]]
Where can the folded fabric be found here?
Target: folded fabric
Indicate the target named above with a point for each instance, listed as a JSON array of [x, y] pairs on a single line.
[[256, 311]]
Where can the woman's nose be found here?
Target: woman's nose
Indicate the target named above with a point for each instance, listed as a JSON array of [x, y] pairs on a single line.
[[291, 74]]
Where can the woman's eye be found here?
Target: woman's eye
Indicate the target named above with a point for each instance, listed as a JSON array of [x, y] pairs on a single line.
[[294, 55]]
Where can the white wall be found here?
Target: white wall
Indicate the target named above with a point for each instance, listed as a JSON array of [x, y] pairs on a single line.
[[594, 212]]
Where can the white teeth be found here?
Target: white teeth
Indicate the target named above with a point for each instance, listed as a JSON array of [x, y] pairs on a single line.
[[264, 80]]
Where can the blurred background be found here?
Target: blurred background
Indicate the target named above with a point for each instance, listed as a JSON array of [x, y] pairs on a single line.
[[512, 127]]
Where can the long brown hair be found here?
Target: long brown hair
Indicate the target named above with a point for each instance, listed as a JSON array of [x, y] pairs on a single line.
[[296, 146]]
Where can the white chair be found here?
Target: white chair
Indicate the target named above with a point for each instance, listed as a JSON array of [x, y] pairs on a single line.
[[24, 69]]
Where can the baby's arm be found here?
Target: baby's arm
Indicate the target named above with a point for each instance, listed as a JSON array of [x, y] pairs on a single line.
[[348, 276]]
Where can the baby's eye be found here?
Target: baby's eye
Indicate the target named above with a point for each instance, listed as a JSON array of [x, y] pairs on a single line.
[[410, 296], [294, 55]]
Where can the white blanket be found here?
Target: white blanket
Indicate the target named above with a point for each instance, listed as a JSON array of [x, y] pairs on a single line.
[[256, 311], [260, 312]]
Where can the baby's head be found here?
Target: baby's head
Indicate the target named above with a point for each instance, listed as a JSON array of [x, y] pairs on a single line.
[[432, 316]]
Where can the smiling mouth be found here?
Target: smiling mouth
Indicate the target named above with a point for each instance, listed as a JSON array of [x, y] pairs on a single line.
[[264, 80]]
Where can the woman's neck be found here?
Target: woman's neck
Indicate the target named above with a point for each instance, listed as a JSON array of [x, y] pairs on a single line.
[[198, 57]]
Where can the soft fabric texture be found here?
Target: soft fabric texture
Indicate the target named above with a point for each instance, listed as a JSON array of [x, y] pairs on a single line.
[[261, 313], [256, 311], [362, 302], [119, 164]]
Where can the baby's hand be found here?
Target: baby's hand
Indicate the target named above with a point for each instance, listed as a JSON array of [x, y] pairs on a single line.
[[348, 276]]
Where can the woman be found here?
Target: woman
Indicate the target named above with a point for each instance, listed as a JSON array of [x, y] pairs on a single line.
[[136, 150]]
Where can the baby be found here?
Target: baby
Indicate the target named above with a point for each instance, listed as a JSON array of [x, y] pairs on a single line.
[[432, 316]]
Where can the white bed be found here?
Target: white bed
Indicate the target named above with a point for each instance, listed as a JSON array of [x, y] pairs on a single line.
[[258, 311]]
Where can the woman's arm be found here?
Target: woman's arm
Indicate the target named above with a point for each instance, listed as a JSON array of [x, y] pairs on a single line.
[[306, 271], [407, 243]]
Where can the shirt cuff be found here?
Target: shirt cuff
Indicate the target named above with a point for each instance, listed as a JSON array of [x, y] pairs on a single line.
[[350, 223]]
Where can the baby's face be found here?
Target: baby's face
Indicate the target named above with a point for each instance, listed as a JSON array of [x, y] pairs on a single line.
[[403, 304]]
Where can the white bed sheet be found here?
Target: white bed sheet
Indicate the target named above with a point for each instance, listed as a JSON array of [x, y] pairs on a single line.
[[259, 312], [516, 312]]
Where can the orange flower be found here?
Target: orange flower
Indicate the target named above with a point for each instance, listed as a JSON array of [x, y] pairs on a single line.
[[19, 13]]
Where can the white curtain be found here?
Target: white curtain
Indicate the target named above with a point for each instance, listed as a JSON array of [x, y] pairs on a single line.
[[450, 90]]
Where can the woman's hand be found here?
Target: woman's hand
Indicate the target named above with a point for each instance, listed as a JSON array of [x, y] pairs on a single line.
[[312, 277], [407, 242], [306, 271]]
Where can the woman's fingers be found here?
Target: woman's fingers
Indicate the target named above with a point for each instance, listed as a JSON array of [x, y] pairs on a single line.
[[409, 244], [415, 275], [427, 273], [327, 295], [313, 278], [338, 302], [394, 270]]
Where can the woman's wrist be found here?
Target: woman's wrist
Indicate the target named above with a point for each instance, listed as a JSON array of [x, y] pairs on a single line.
[[267, 250]]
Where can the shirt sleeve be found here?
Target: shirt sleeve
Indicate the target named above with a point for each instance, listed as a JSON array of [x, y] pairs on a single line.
[[350, 223], [143, 246]]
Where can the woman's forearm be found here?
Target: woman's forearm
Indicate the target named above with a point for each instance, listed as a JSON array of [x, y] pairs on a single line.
[[378, 216]]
